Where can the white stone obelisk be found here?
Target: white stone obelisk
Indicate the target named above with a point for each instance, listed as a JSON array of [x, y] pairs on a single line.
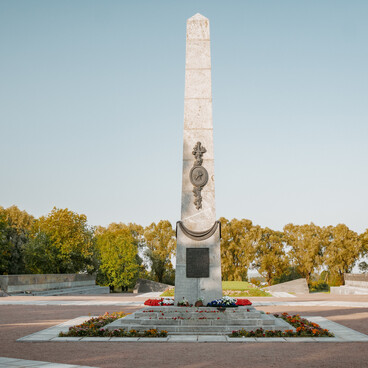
[[198, 186]]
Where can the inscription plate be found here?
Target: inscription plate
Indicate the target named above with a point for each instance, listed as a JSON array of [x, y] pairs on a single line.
[[198, 262]]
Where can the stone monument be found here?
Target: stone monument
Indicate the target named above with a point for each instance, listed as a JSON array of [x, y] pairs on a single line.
[[198, 258]]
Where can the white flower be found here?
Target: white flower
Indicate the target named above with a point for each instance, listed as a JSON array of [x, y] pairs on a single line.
[[168, 301]]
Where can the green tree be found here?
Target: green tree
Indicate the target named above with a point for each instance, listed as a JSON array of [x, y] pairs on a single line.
[[306, 243], [238, 246], [343, 250], [5, 245], [62, 242], [160, 246], [41, 256], [117, 247], [363, 267], [291, 273], [14, 234], [271, 260]]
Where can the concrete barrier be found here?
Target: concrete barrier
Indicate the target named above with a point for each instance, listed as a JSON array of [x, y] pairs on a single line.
[[38, 282], [299, 286], [356, 280], [355, 284]]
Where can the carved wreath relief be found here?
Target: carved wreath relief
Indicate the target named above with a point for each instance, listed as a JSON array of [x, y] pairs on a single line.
[[198, 174]]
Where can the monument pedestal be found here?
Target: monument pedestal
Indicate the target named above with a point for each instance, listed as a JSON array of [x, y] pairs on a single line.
[[198, 268], [199, 321]]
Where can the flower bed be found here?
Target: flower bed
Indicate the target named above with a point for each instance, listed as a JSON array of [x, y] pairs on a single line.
[[93, 328], [304, 328]]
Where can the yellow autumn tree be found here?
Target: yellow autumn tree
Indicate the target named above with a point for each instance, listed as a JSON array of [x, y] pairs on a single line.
[[343, 250], [271, 259], [160, 245], [306, 243], [364, 241], [238, 245]]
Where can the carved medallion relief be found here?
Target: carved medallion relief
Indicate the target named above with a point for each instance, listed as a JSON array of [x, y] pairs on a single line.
[[198, 174]]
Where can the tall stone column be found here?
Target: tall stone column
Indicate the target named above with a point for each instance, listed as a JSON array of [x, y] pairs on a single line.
[[198, 259]]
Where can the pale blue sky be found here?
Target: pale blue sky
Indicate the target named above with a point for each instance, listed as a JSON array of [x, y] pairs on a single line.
[[91, 109]]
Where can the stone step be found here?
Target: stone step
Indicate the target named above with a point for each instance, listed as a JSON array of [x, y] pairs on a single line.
[[206, 321], [197, 315], [196, 322], [203, 330]]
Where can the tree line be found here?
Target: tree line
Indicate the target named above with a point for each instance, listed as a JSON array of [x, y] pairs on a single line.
[[63, 242], [297, 251]]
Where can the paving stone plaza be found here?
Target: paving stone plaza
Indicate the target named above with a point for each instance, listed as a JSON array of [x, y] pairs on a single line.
[[30, 325]]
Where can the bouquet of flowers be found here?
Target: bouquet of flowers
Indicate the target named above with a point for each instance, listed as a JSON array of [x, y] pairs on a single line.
[[183, 303], [243, 302], [167, 301], [225, 301], [152, 302], [158, 302]]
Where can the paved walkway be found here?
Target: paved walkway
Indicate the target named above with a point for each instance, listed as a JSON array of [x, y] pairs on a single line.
[[10, 362], [27, 315], [281, 294], [153, 294], [327, 303]]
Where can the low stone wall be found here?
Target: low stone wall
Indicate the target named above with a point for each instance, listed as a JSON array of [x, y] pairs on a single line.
[[299, 286], [23, 283], [146, 286], [356, 280], [348, 290]]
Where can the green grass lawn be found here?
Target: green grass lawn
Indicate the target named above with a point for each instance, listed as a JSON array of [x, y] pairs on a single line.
[[170, 292], [236, 285], [241, 289], [234, 289]]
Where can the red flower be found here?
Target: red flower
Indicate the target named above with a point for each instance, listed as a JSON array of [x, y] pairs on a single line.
[[153, 302]]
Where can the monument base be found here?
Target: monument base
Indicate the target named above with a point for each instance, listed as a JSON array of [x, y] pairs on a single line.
[[199, 321], [198, 268]]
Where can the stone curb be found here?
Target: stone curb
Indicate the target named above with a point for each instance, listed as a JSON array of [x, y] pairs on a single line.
[[14, 362]]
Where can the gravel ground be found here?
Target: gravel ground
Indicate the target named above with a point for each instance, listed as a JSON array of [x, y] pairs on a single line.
[[19, 320]]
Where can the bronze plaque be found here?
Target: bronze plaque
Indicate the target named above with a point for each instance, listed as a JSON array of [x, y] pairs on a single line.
[[198, 262]]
